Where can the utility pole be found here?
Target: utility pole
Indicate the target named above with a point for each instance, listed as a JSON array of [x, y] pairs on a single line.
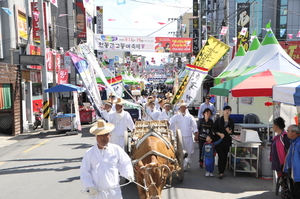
[[46, 108], [54, 99]]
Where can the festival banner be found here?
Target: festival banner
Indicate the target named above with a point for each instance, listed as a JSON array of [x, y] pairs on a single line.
[[88, 77], [195, 19], [76, 107], [116, 84], [173, 45], [211, 53], [145, 44], [180, 90], [243, 21]]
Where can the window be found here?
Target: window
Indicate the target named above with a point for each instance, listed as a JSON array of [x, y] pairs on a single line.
[[5, 96]]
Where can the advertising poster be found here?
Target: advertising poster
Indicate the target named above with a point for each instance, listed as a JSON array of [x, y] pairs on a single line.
[[243, 23], [80, 21], [173, 45]]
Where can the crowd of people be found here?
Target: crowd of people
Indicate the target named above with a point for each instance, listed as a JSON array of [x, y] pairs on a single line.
[[213, 135]]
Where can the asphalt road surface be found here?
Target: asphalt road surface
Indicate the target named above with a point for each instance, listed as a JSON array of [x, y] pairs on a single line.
[[46, 166]]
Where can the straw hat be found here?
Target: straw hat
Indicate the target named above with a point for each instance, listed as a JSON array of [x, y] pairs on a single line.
[[167, 103], [161, 101], [150, 102], [120, 101], [107, 102], [169, 94], [182, 103], [111, 95], [102, 128]]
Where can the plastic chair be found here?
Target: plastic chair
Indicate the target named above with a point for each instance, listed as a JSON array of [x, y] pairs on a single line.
[[251, 118]]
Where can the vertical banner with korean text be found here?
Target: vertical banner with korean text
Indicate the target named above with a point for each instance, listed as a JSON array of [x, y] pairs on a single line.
[[99, 19], [243, 25], [195, 27], [80, 21], [35, 21]]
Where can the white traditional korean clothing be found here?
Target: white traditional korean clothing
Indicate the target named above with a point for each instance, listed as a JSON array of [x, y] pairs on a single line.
[[187, 125], [165, 115], [154, 115], [100, 168], [122, 121], [105, 114]]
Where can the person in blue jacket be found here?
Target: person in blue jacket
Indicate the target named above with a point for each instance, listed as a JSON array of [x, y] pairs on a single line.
[[293, 160], [208, 153]]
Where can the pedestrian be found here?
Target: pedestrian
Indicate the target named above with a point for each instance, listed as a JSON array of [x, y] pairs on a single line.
[[293, 160], [205, 126], [280, 146], [186, 123], [161, 103], [206, 104], [208, 153], [107, 110], [225, 125], [122, 120], [102, 164], [112, 98]]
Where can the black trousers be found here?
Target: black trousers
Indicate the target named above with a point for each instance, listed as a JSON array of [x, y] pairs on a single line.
[[200, 144], [295, 188], [222, 153]]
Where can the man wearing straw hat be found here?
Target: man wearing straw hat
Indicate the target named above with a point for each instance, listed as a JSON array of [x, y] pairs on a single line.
[[166, 114], [107, 109], [186, 123], [122, 120], [152, 113], [101, 165]]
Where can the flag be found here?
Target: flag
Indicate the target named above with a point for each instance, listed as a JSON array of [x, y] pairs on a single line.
[[282, 31], [111, 19], [7, 10], [54, 2], [224, 30], [268, 27], [161, 23], [116, 84], [298, 35], [234, 40], [244, 31], [121, 2], [290, 36], [62, 15]]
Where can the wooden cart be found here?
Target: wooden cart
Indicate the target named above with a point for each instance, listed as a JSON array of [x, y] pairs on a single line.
[[160, 128]]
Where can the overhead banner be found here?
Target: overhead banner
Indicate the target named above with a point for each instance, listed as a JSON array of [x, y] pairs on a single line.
[[243, 25], [145, 44], [211, 53], [173, 45]]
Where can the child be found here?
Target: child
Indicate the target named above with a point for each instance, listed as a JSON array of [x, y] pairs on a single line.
[[208, 153]]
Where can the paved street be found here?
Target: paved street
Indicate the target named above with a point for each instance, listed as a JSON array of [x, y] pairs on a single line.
[[46, 165]]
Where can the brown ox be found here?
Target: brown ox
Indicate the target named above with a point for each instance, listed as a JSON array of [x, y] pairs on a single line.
[[153, 170]]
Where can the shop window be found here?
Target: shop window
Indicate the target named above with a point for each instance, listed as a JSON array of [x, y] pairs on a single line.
[[5, 96]]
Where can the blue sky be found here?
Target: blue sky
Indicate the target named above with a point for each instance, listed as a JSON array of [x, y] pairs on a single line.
[[141, 17]]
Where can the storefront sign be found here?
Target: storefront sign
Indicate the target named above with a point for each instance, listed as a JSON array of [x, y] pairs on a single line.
[[34, 50], [99, 19], [49, 62], [292, 48], [35, 22], [62, 76], [80, 21]]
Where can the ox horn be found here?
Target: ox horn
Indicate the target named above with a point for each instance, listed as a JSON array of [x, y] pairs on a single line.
[[168, 169]]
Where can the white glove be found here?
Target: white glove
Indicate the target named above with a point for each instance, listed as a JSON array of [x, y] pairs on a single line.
[[93, 190], [130, 178]]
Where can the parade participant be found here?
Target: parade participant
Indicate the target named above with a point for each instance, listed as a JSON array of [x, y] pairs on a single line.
[[107, 110], [279, 148], [169, 96], [101, 165], [205, 126], [167, 113], [205, 105], [187, 125], [161, 103], [151, 112], [122, 120], [208, 153], [112, 98], [292, 161], [224, 125]]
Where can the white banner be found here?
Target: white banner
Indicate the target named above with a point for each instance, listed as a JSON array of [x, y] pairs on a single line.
[[75, 99], [123, 43]]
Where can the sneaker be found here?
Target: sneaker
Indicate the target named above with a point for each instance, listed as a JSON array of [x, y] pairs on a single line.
[[207, 174], [211, 174]]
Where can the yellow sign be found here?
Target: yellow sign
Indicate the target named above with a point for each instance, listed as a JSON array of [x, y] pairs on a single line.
[[22, 26], [211, 53]]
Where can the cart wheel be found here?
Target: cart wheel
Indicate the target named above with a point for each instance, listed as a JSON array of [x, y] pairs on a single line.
[[180, 156]]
